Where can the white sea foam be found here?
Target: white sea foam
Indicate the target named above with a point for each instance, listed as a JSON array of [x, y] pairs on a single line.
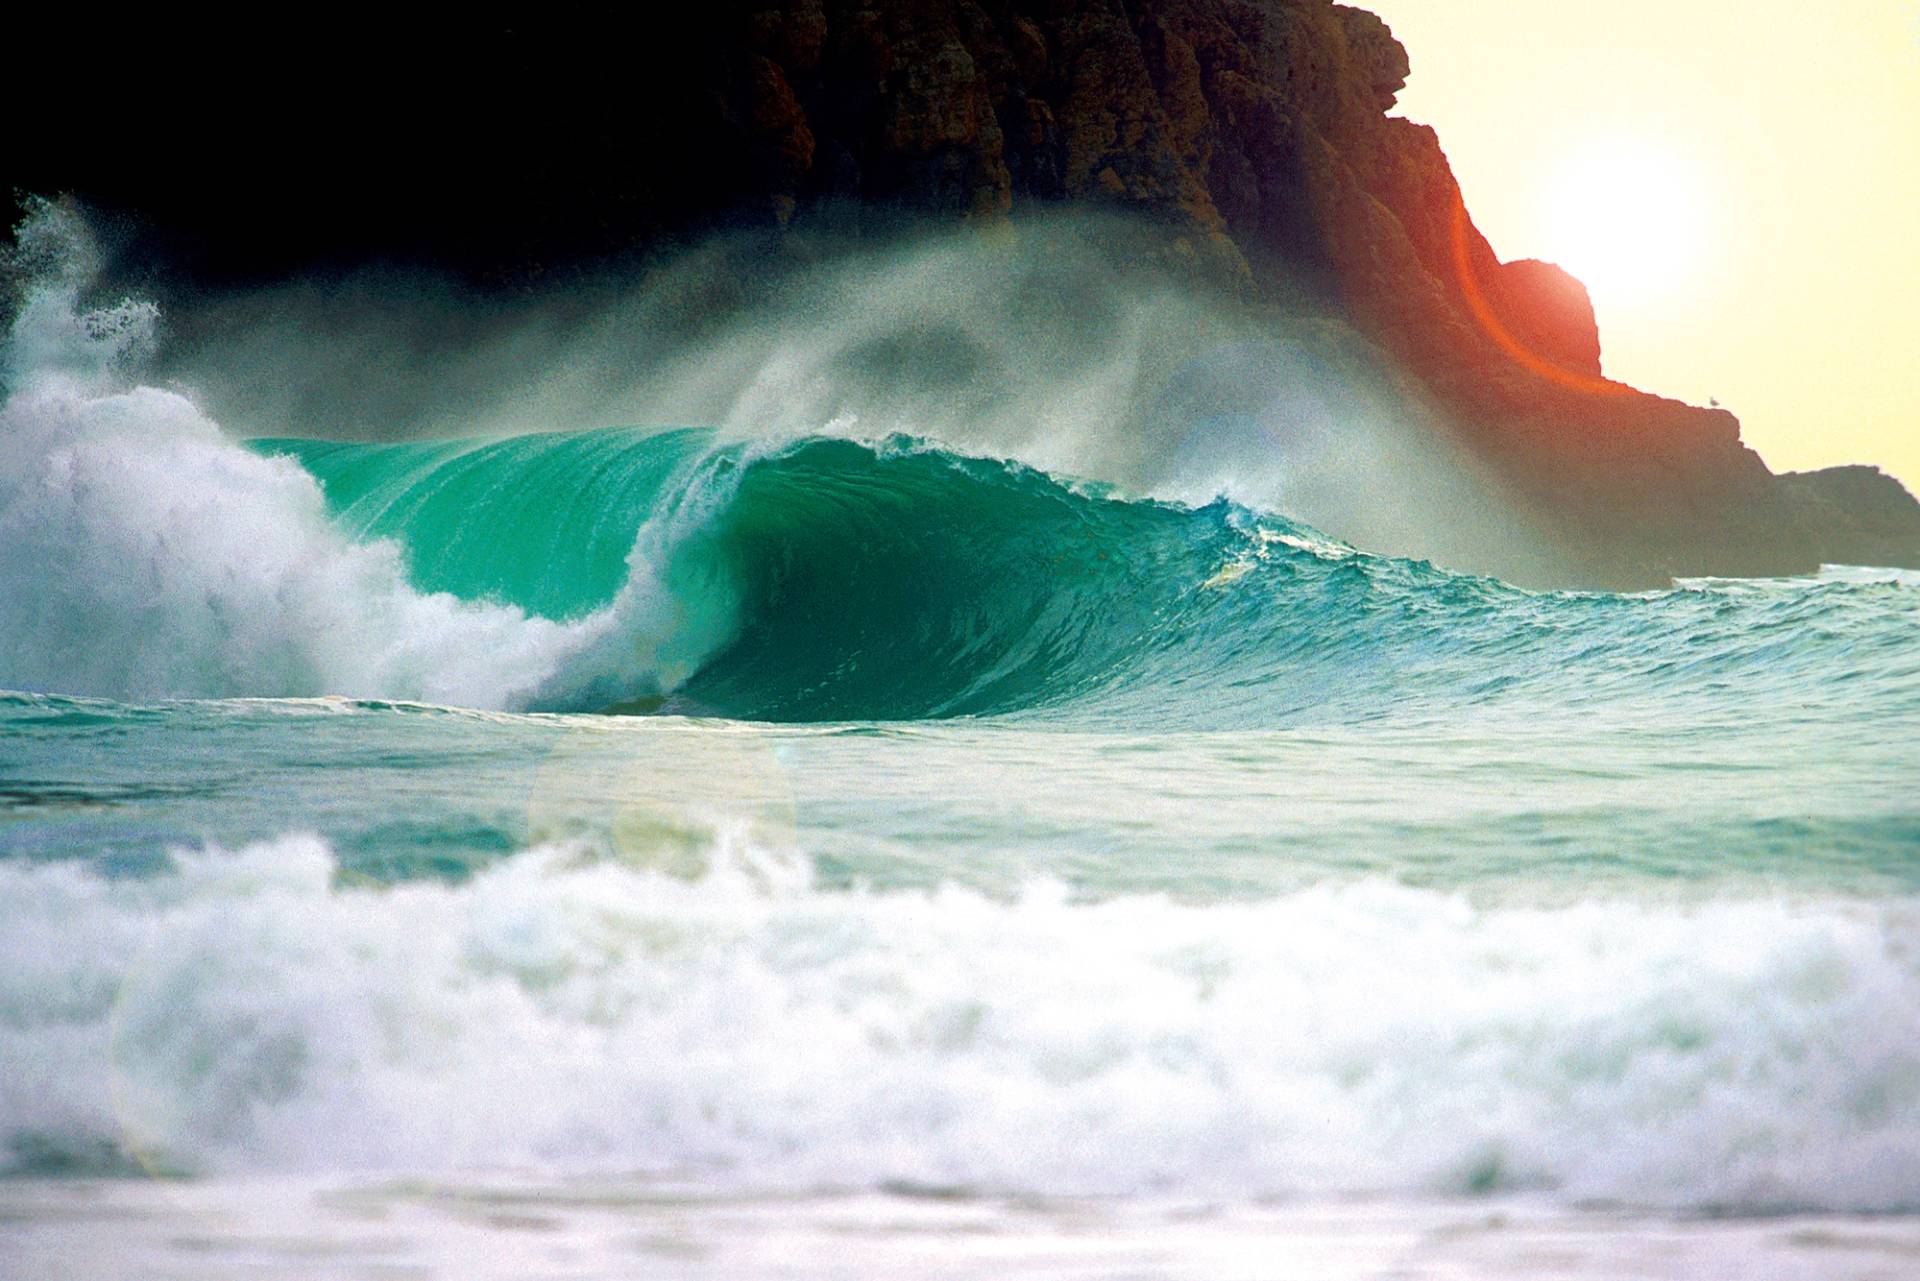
[[748, 1030], [149, 555]]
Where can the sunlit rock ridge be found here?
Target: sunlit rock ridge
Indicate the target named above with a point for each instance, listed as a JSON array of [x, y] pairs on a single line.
[[1255, 135]]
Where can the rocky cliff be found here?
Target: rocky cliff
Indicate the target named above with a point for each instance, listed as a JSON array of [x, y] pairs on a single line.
[[1255, 134]]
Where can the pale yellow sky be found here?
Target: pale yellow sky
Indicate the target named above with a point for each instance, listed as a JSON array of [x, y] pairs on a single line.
[[1790, 133]]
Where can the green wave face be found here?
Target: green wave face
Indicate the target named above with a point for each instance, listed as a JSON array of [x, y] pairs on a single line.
[[831, 580], [861, 582], [544, 522], [914, 583]]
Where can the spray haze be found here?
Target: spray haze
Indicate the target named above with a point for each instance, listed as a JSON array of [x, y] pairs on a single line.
[[1071, 342], [883, 416]]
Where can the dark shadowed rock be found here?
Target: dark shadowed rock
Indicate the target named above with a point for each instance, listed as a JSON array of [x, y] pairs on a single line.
[[1382, 59], [1855, 515]]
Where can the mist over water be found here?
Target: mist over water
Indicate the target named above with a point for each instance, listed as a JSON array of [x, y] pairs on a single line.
[[1057, 761], [709, 566], [1068, 343]]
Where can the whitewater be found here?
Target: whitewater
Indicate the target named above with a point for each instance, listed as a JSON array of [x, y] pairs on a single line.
[[678, 845]]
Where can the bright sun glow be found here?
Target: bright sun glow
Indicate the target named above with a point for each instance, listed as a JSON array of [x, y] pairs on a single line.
[[1627, 217]]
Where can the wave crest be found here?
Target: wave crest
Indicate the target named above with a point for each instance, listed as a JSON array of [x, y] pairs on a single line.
[[810, 578]]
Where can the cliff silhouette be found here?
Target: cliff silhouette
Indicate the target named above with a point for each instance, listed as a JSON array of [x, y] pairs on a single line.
[[1254, 136]]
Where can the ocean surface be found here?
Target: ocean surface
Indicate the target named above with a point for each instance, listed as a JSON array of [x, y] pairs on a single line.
[[652, 852]]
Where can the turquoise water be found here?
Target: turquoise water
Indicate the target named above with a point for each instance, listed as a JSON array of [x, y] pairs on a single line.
[[834, 815]]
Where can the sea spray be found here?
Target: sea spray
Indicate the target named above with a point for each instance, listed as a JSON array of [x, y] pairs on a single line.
[[1061, 341], [149, 555], [1124, 844], [802, 578]]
